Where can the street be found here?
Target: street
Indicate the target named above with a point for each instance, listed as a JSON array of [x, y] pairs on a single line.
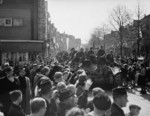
[[135, 97], [143, 101]]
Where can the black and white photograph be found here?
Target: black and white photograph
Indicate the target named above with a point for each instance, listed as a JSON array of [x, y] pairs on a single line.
[[74, 57]]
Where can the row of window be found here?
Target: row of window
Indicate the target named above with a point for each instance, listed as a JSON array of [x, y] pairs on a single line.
[[7, 22]]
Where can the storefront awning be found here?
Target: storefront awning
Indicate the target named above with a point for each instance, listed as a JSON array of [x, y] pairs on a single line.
[[21, 46]]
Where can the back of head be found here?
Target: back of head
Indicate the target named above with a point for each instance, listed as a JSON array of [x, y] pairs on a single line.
[[8, 69], [119, 92], [82, 79], [45, 70], [72, 88], [37, 104], [75, 112], [102, 102], [61, 86], [44, 85], [14, 95]]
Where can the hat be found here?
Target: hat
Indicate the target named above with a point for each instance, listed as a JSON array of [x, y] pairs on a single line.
[[102, 102], [65, 94], [117, 92], [97, 90], [134, 106], [57, 75]]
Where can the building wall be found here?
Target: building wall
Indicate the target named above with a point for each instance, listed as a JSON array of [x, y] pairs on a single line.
[[145, 24], [16, 32], [17, 9], [42, 19], [28, 16]]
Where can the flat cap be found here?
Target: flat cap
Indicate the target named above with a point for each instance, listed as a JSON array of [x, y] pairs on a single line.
[[134, 106]]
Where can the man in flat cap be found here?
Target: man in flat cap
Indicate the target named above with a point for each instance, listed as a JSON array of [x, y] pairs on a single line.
[[120, 98]]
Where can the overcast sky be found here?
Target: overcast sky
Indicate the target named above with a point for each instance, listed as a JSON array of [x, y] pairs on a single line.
[[80, 17]]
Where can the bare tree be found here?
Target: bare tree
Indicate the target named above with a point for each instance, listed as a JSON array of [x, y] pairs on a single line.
[[119, 17], [97, 36], [139, 14]]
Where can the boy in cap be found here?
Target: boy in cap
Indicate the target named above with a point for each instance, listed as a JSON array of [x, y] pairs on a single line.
[[120, 100], [134, 110]]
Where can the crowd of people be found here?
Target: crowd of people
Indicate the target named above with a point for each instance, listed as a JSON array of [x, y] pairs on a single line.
[[54, 89]]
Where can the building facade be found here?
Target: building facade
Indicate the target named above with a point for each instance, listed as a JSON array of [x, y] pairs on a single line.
[[22, 30], [145, 28]]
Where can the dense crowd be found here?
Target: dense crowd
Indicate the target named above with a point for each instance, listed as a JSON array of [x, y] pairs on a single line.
[[57, 89]]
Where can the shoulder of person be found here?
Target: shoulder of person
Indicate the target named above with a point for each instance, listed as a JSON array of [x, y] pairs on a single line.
[[116, 114], [27, 79]]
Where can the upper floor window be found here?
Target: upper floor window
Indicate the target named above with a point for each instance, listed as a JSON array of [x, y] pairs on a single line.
[[7, 22]]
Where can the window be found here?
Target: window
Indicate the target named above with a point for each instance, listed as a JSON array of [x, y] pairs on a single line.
[[1, 1], [8, 22], [17, 22], [2, 21]]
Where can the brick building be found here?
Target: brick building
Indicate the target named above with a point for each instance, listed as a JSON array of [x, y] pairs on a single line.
[[145, 28], [22, 30]]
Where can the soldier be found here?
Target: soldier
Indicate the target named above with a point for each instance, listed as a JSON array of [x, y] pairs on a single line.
[[110, 57], [90, 52], [72, 53], [80, 56], [101, 52]]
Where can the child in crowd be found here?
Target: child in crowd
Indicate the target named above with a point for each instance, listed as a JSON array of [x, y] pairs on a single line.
[[16, 109], [134, 110]]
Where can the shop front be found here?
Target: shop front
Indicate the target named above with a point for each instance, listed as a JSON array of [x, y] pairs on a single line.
[[20, 51]]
